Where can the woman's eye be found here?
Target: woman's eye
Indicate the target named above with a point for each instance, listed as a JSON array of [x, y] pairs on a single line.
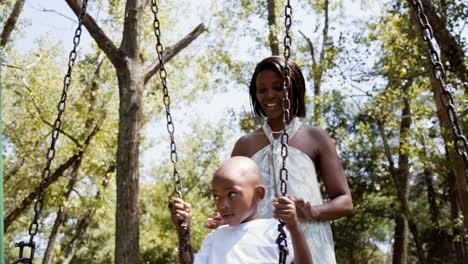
[[232, 194], [215, 197], [278, 88]]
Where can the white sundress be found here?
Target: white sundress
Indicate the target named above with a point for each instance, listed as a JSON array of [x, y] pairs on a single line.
[[302, 182]]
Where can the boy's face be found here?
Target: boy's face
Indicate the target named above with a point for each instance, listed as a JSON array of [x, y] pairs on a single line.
[[235, 200]]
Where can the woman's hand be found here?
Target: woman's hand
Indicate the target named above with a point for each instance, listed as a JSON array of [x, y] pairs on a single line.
[[214, 222], [305, 210], [181, 212], [285, 209]]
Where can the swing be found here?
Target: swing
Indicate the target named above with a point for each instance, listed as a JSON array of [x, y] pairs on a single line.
[[460, 141], [34, 226], [185, 238]]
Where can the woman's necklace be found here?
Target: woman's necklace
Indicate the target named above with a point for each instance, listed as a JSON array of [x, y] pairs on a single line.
[[281, 131], [276, 132]]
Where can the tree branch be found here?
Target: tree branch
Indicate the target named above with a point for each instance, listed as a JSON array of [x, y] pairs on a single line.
[[30, 198], [311, 47], [171, 51], [104, 43], [38, 110], [53, 177], [24, 68], [11, 22], [388, 153], [13, 169]]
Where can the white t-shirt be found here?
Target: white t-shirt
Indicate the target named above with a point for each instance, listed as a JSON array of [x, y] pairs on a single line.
[[251, 242]]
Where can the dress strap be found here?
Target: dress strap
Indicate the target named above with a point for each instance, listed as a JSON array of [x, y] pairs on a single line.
[[292, 128]]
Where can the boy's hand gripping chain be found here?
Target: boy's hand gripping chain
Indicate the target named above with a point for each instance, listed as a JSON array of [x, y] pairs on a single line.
[[281, 240], [184, 243], [34, 226]]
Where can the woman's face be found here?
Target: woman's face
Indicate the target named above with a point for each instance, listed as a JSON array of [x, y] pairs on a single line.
[[270, 93]]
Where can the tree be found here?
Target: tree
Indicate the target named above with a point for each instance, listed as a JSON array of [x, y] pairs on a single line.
[[132, 75], [454, 53]]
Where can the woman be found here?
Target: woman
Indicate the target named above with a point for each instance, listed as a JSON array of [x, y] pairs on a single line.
[[310, 149]]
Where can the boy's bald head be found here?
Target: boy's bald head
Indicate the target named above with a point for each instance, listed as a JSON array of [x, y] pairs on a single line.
[[241, 170], [237, 190]]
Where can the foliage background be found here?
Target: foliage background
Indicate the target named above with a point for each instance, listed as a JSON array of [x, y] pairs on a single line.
[[374, 63]]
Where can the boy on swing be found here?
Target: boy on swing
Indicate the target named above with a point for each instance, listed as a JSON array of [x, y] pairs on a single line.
[[245, 238]]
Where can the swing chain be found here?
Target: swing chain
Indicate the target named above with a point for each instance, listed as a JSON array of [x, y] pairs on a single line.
[[286, 101], [460, 141], [184, 243], [34, 226], [281, 240], [166, 98]]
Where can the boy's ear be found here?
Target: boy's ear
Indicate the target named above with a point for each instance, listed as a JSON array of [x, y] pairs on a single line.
[[260, 192]]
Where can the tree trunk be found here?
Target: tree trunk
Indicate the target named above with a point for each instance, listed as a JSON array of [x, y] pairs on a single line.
[[59, 220], [400, 237], [456, 163], [459, 244], [400, 176], [273, 36], [400, 244], [435, 251], [127, 219], [72, 247], [61, 215], [11, 22], [404, 171]]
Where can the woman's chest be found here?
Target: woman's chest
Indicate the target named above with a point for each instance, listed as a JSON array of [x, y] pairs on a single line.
[[301, 142]]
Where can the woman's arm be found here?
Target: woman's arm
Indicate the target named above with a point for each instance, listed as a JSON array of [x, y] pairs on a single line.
[[334, 180]]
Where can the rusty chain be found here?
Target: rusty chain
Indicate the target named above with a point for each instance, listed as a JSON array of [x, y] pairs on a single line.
[[34, 226], [185, 236], [460, 141], [281, 240]]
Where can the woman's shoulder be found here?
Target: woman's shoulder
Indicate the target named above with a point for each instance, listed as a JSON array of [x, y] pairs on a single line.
[[311, 140], [316, 132], [317, 142], [252, 136], [249, 143]]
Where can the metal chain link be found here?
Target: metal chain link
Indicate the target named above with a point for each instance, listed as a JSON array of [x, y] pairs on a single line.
[[281, 240], [34, 226], [460, 141], [185, 236]]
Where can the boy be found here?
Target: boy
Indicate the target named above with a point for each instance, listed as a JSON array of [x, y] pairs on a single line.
[[245, 238]]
